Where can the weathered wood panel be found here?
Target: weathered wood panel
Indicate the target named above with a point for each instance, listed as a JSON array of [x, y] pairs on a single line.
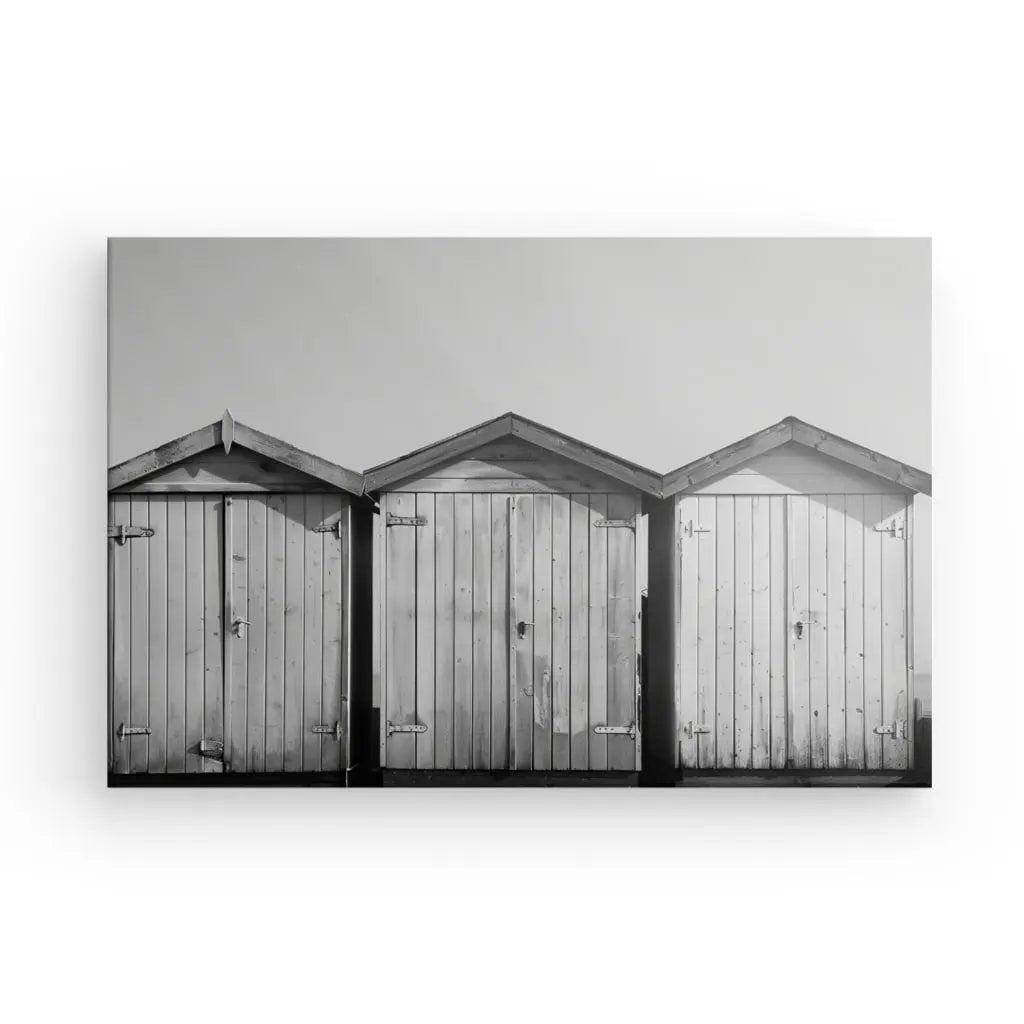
[[707, 627], [817, 634], [622, 629], [314, 598], [872, 632], [158, 653], [337, 641], [687, 623], [599, 620], [542, 632], [401, 613], [780, 631], [276, 554], [579, 630], [426, 615], [195, 634], [175, 633], [444, 637], [120, 612], [463, 722], [799, 663], [894, 633], [138, 746], [560, 619], [524, 660], [237, 640], [835, 645], [853, 595], [481, 666], [294, 618], [761, 632], [725, 612], [499, 613], [256, 637], [743, 618]]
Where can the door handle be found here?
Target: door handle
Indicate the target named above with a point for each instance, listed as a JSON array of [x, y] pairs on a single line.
[[799, 627], [238, 627], [521, 628]]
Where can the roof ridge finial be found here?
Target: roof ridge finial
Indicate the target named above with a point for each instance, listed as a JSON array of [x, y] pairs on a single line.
[[227, 431]]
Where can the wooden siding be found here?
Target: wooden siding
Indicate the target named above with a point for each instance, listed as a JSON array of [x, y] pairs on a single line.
[[793, 468], [215, 472], [753, 690], [508, 466], [177, 666], [451, 594]]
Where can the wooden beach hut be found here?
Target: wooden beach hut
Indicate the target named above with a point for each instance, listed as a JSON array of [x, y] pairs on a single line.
[[507, 595], [236, 566], [781, 597]]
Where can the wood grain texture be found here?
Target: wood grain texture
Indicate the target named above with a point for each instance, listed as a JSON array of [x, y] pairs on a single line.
[[294, 622], [195, 633], [560, 625], [237, 640], [158, 652], [481, 655], [256, 637], [799, 662], [336, 644], [138, 746], [276, 555], [817, 634], [444, 637], [314, 601], [121, 616], [599, 624], [854, 645], [542, 632], [463, 712], [686, 623], [401, 631], [707, 627], [779, 629], [835, 640], [743, 618], [524, 660], [579, 631], [425, 625], [761, 635], [894, 633], [622, 624], [499, 615], [725, 611], [872, 632], [176, 617]]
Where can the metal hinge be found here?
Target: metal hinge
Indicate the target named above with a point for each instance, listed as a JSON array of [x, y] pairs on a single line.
[[132, 730], [627, 524], [121, 533], [334, 527], [406, 521], [690, 730], [329, 730], [689, 529], [897, 730], [894, 529], [405, 728], [616, 730]]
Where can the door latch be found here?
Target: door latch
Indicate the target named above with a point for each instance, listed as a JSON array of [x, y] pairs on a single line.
[[121, 532], [691, 729], [238, 627], [521, 628], [616, 730], [132, 730], [392, 727], [689, 529], [329, 730], [213, 749], [897, 730]]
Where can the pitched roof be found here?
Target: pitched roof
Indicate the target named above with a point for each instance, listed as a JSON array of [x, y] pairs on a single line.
[[226, 432], [793, 429], [512, 425]]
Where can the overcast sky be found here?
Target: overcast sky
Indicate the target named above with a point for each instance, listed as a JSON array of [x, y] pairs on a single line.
[[659, 350]]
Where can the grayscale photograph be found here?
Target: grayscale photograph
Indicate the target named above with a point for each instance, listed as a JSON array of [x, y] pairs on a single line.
[[519, 512]]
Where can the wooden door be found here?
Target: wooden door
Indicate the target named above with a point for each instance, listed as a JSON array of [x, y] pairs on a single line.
[[510, 631], [263, 694], [793, 632]]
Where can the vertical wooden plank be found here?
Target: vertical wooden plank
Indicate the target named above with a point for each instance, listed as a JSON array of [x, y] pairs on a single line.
[[158, 634], [425, 624], [237, 639], [725, 649], [336, 567], [175, 633], [499, 631], [121, 614], [911, 691], [256, 637], [894, 632], [799, 665], [743, 632], [707, 591], [444, 634], [314, 603], [138, 746], [294, 614], [778, 626], [872, 631], [854, 648], [195, 633], [817, 635], [541, 632], [463, 721], [401, 641], [481, 595], [622, 626], [599, 669], [835, 646], [579, 630], [213, 615], [379, 625], [761, 639], [347, 648], [524, 641], [276, 568], [560, 619], [685, 625]]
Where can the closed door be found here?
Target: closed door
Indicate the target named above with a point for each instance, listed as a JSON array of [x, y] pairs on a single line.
[[510, 631], [227, 633], [793, 632]]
